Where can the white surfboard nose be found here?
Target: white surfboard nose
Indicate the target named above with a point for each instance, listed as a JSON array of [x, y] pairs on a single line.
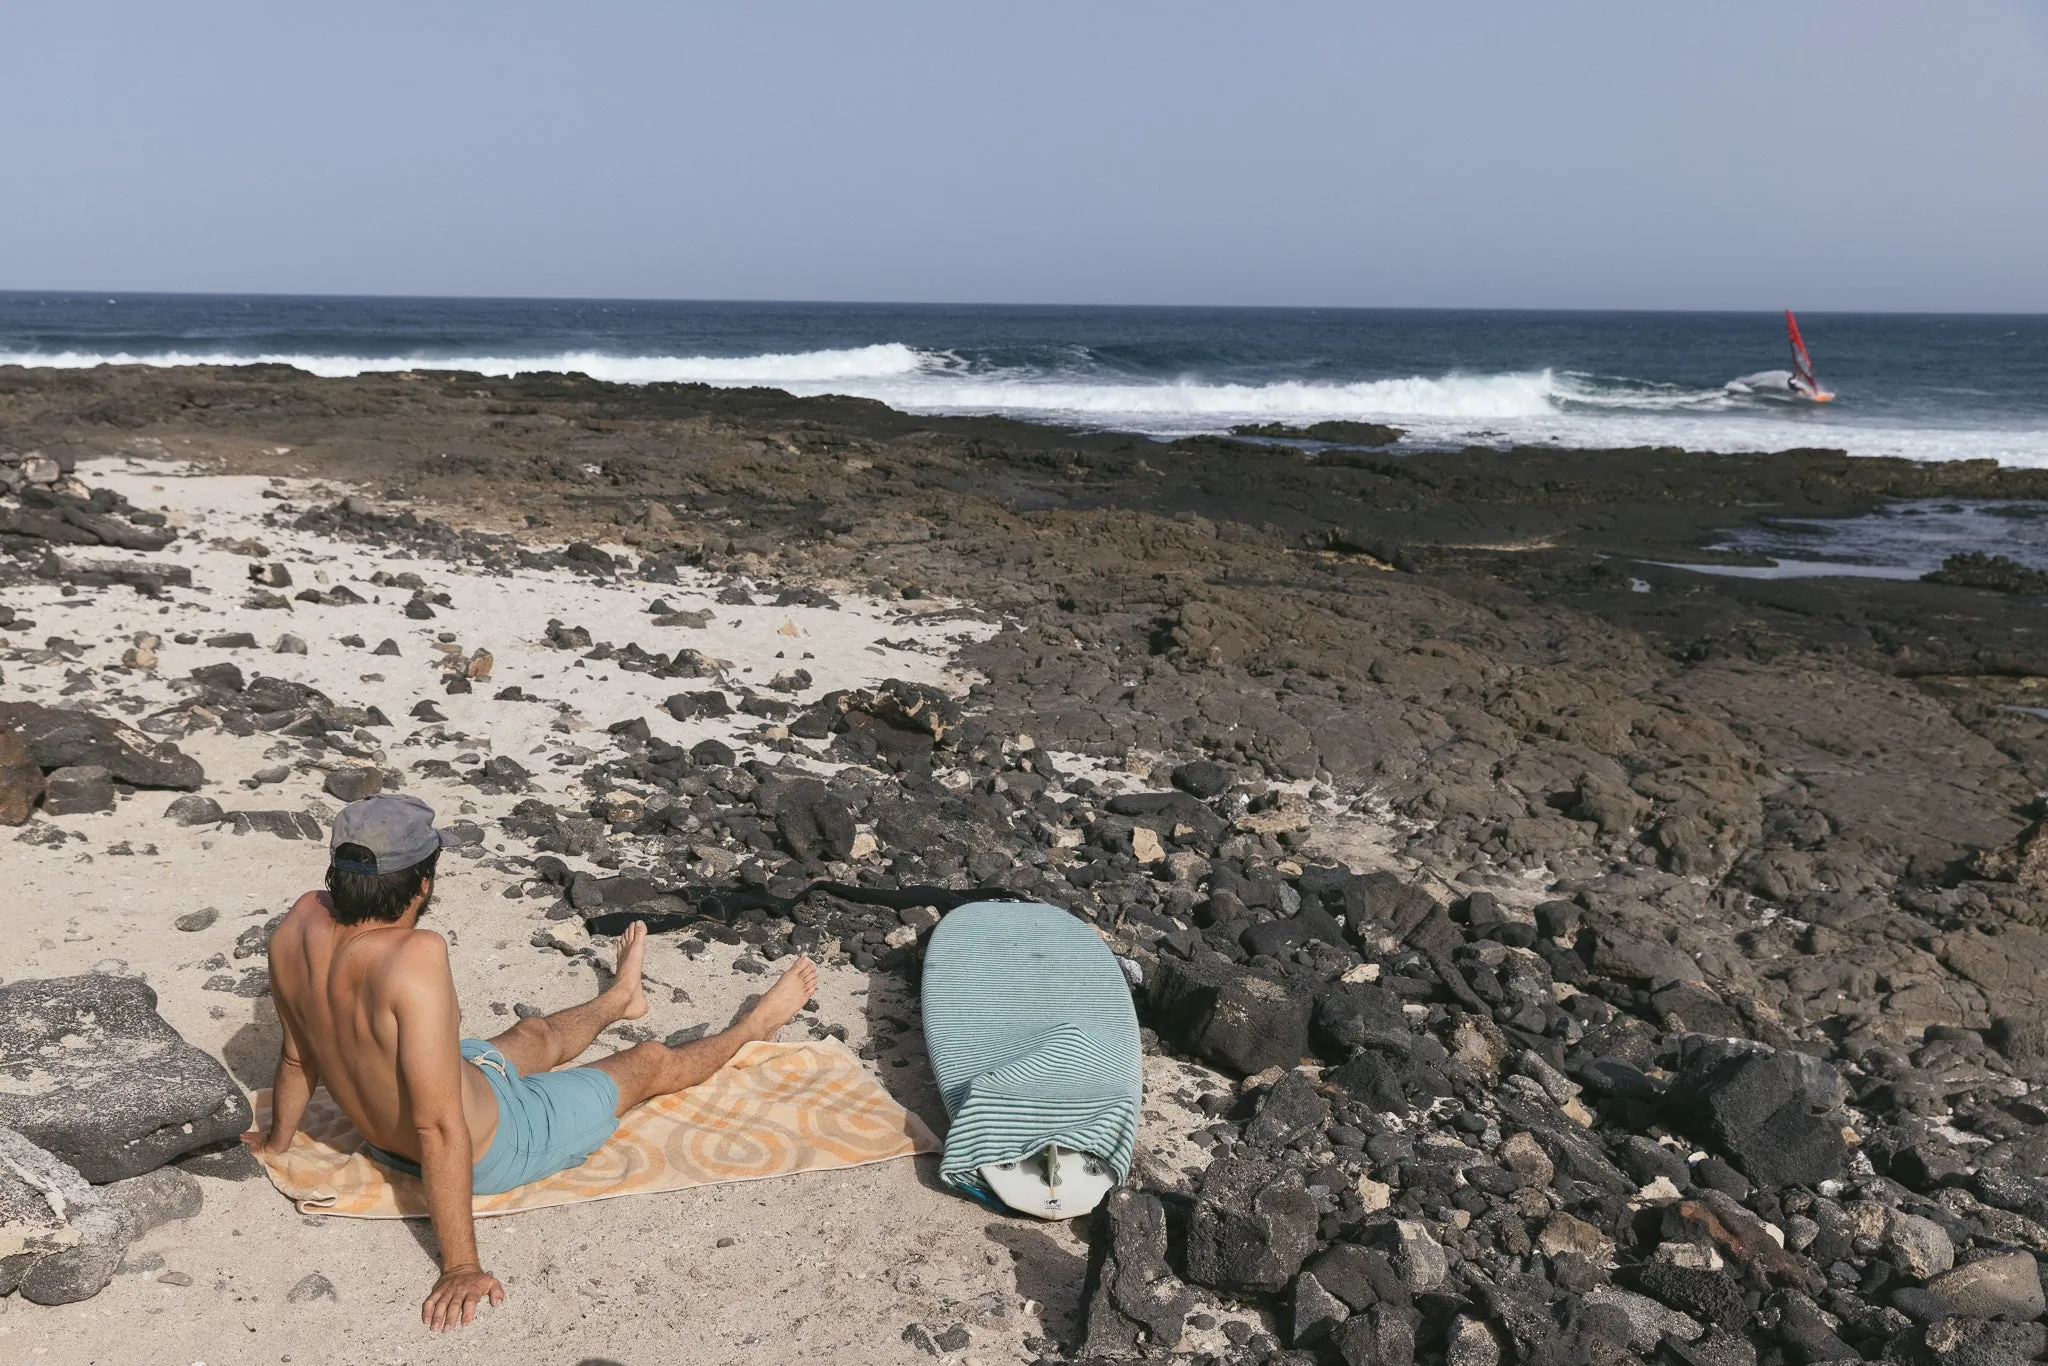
[[1055, 1183]]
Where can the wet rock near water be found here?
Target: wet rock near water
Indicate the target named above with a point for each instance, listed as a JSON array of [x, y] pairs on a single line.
[[1999, 573], [1334, 433]]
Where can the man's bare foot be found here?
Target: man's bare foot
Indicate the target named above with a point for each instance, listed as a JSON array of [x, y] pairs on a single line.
[[779, 1005], [626, 987]]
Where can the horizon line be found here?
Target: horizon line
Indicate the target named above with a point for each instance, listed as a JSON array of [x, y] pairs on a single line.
[[114, 295]]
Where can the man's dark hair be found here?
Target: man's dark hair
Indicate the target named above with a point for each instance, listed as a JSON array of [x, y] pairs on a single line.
[[374, 896]]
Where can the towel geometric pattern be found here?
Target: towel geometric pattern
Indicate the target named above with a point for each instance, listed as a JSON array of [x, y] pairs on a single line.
[[776, 1109]]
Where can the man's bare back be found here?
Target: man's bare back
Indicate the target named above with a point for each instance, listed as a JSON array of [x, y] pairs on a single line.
[[338, 989], [367, 1001]]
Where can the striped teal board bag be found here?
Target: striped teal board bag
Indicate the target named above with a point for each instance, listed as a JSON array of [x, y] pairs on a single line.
[[1034, 1041]]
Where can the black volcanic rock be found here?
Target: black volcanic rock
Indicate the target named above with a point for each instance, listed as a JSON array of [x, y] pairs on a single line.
[[1164, 810], [1291, 1110], [57, 738], [1235, 1019], [1252, 1228], [1774, 1114], [810, 822], [1134, 1295], [1202, 778], [94, 1075]]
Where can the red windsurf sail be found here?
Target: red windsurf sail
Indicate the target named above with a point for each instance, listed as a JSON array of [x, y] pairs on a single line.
[[1802, 364]]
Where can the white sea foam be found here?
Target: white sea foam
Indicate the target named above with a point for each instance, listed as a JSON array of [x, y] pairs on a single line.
[[1206, 403], [801, 367], [1540, 407]]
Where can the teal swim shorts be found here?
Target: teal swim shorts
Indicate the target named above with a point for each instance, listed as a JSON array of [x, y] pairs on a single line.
[[546, 1123]]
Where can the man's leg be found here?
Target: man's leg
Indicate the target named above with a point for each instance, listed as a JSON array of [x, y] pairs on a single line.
[[545, 1042], [651, 1069]]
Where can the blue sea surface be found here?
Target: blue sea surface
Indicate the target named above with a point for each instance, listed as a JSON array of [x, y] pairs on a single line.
[[1924, 386]]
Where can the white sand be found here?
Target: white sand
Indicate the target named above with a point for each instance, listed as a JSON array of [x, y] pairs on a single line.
[[832, 1265]]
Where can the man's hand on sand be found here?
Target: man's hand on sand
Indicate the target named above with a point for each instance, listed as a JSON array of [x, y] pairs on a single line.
[[456, 1297]]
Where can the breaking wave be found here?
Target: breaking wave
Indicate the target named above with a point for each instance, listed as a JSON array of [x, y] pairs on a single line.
[[1077, 387], [774, 368], [940, 382], [1209, 402]]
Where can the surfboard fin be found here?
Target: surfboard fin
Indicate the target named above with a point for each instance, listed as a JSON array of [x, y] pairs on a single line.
[[1052, 1183]]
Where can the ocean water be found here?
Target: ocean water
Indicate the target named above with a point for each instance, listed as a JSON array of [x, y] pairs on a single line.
[[1924, 386], [1900, 541]]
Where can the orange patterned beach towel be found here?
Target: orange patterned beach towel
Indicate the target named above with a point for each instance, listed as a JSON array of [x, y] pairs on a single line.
[[776, 1109]]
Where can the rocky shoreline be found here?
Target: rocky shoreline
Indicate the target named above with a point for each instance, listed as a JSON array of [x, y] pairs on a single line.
[[1560, 955]]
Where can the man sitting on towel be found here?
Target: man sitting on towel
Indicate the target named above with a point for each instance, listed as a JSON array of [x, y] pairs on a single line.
[[368, 1007]]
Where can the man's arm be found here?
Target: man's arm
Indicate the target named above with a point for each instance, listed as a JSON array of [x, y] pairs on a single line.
[[430, 1068], [297, 1072], [292, 1088]]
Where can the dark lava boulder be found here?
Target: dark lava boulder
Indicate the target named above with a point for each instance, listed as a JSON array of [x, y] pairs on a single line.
[[76, 791], [1712, 1297], [1162, 811], [1386, 899], [1375, 1080], [1361, 1016], [1976, 1342], [1291, 1110], [1252, 1228], [194, 810], [1202, 778], [713, 754], [688, 706], [1775, 1114], [90, 1072], [1359, 1276], [1336, 431], [286, 825], [1233, 1018], [66, 1238], [1134, 1294], [1623, 956], [626, 889], [353, 783], [21, 780], [1273, 938], [1999, 573], [75, 739], [810, 821]]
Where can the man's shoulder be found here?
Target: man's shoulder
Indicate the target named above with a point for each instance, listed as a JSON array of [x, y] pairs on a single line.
[[291, 930], [412, 956], [311, 913], [419, 944], [411, 966]]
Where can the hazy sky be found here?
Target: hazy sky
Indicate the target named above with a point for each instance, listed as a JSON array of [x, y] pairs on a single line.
[[1834, 154]]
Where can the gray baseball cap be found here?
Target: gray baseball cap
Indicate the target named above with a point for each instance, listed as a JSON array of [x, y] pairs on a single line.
[[398, 829]]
